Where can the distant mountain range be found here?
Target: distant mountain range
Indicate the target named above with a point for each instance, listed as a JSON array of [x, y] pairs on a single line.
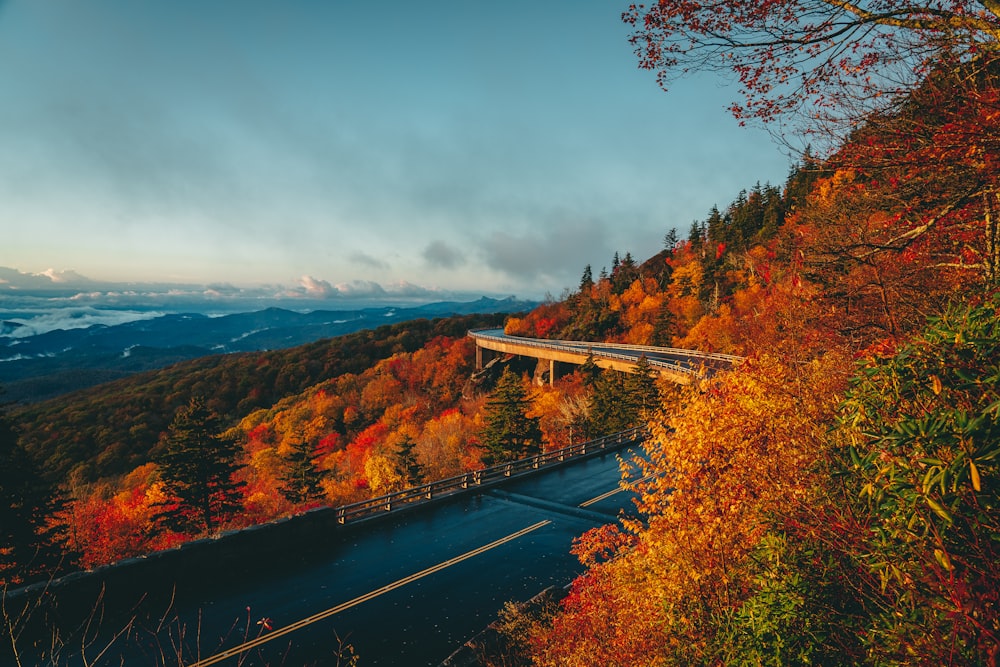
[[46, 365]]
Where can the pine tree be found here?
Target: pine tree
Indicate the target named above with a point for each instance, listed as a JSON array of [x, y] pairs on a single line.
[[640, 386], [509, 433], [586, 281], [590, 371], [670, 241], [197, 470], [412, 470], [664, 328], [301, 479], [611, 410], [31, 544]]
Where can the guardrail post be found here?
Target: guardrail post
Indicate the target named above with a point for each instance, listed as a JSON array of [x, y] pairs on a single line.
[[341, 516], [477, 477], [506, 470], [430, 493]]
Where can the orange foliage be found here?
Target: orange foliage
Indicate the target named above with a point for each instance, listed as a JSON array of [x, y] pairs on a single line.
[[723, 469]]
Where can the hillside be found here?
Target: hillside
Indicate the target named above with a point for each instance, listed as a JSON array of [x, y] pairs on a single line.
[[110, 429], [46, 365]]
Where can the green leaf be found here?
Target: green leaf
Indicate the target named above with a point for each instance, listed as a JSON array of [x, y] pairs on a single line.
[[940, 510]]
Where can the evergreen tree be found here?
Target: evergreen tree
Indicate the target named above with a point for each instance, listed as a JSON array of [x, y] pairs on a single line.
[[670, 241], [696, 236], [586, 281], [611, 410], [31, 545], [412, 470], [197, 469], [301, 479], [590, 371], [641, 389], [509, 433], [664, 328]]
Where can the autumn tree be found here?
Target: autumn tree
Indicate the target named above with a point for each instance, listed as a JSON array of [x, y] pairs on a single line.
[[31, 542], [820, 60], [509, 433], [197, 469], [906, 92], [708, 576]]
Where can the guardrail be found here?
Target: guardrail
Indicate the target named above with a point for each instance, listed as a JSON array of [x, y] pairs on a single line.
[[715, 356], [697, 358], [485, 476]]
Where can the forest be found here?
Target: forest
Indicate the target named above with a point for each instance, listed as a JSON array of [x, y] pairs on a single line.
[[832, 500]]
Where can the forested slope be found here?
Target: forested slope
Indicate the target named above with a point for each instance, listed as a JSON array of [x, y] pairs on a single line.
[[110, 429]]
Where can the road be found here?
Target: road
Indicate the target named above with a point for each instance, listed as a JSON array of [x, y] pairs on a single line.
[[685, 362], [402, 591]]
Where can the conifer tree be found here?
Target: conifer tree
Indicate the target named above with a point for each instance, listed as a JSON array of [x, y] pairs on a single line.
[[197, 470], [411, 468], [590, 371], [31, 544], [670, 241], [641, 388], [611, 410], [509, 433], [301, 479], [586, 281]]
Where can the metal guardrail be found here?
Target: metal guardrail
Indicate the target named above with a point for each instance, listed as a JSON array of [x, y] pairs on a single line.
[[485, 476], [585, 346], [715, 356]]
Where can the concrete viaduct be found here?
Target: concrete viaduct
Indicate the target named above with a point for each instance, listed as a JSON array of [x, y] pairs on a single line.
[[676, 365]]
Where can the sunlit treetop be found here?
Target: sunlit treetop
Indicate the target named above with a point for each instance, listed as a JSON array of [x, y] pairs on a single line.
[[814, 66]]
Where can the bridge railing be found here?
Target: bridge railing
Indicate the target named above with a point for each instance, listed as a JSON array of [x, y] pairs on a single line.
[[692, 368], [485, 476], [714, 356]]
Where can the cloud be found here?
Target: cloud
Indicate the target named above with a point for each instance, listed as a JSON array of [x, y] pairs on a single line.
[[555, 250], [62, 277], [50, 279], [409, 290], [75, 318], [315, 287], [367, 290], [364, 259], [360, 289], [439, 253]]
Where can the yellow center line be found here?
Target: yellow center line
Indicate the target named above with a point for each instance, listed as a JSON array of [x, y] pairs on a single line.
[[292, 627], [601, 497]]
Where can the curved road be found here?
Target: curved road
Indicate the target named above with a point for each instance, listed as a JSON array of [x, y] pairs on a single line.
[[402, 591], [677, 363]]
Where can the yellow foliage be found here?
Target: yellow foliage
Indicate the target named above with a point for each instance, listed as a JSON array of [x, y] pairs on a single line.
[[732, 460], [382, 475]]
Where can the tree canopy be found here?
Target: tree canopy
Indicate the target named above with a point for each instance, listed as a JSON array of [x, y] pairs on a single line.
[[822, 61]]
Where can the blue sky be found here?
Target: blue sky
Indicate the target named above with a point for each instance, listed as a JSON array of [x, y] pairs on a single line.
[[463, 146]]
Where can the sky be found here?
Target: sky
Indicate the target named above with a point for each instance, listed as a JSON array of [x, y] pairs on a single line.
[[337, 148]]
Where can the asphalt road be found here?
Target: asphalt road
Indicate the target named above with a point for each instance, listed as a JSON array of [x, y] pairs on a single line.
[[686, 359], [401, 591]]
